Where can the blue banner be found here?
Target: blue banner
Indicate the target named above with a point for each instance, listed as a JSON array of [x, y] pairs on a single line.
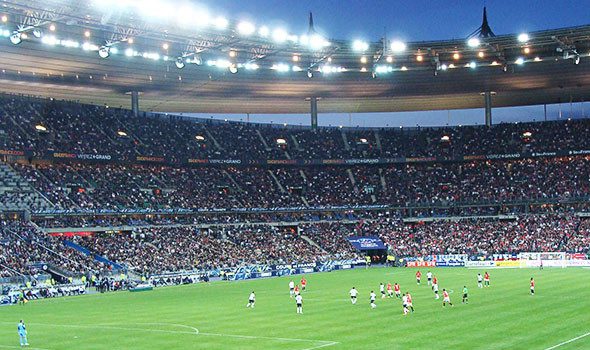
[[367, 243]]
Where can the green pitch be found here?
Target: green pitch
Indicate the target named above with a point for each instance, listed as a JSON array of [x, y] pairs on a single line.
[[214, 316]]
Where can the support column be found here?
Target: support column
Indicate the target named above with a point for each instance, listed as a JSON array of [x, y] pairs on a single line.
[[314, 112], [488, 107], [135, 103]]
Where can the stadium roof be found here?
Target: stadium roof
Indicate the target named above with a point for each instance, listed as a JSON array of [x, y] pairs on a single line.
[[59, 43]]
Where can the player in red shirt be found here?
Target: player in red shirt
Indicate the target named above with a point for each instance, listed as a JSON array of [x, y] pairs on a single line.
[[389, 290], [296, 290], [486, 279], [303, 283], [418, 276], [434, 281], [532, 286], [397, 290], [446, 298], [409, 299]]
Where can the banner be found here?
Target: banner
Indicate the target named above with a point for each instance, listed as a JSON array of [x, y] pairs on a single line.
[[421, 264], [450, 263], [366, 243], [485, 263], [508, 263]]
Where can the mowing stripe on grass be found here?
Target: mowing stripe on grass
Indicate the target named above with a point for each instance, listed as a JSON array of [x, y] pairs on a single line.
[[193, 331], [569, 341]]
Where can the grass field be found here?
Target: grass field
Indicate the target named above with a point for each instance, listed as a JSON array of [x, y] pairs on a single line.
[[214, 316]]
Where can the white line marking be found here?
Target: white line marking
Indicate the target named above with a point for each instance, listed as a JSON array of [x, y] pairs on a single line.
[[193, 331], [568, 341], [20, 347]]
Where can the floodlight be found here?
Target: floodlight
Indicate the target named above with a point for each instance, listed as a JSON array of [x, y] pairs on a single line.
[[360, 46], [15, 38], [179, 63], [37, 33], [519, 61], [473, 42], [246, 28], [104, 52], [398, 46], [279, 35], [233, 68], [523, 38]]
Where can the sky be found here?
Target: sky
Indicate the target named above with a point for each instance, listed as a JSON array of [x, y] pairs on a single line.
[[410, 20]]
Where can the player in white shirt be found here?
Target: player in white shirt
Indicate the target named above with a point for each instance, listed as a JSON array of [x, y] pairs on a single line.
[[251, 300], [353, 293], [479, 280], [299, 302], [382, 290], [429, 277], [373, 296], [291, 288], [435, 289], [405, 304]]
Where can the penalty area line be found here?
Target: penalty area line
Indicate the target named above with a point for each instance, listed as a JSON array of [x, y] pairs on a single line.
[[568, 341]]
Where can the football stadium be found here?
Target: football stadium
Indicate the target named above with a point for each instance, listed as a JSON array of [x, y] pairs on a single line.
[[294, 175]]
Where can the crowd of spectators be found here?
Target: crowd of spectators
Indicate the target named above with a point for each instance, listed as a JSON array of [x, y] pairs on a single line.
[[23, 248], [77, 128], [82, 187]]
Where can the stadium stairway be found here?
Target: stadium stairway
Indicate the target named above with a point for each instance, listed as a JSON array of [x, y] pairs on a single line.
[[311, 241], [17, 194], [95, 256]]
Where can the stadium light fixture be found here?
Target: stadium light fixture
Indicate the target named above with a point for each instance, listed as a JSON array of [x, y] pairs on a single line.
[[122, 133], [389, 59], [220, 23], [445, 138], [280, 67], [360, 46], [526, 50], [519, 61], [264, 31], [481, 54], [309, 73], [87, 34], [443, 67], [382, 69], [200, 138], [398, 46], [52, 27], [472, 65], [576, 59], [4, 18], [280, 35], [251, 66], [523, 38], [246, 28], [419, 58], [129, 52], [233, 68], [281, 141], [537, 59], [179, 63], [456, 56], [404, 68], [297, 69], [40, 128], [317, 42], [473, 42], [295, 58], [37, 33], [104, 52], [16, 38], [165, 46], [527, 134], [364, 59], [130, 40]]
